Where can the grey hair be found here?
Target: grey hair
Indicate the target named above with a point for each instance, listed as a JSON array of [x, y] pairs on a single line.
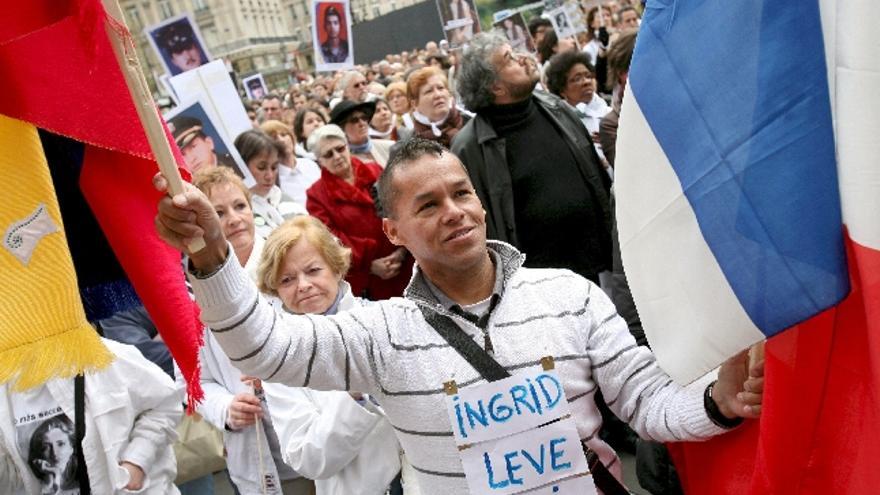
[[325, 132], [346, 79], [477, 74]]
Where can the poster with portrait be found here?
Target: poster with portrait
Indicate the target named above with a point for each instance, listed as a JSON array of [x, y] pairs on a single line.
[[201, 142], [460, 21], [562, 23], [255, 87], [213, 84], [45, 435], [179, 44], [515, 29], [331, 35]]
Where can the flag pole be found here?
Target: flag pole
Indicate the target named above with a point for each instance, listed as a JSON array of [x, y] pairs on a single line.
[[126, 56]]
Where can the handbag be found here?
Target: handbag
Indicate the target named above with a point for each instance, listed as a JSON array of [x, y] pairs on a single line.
[[199, 449], [492, 371]]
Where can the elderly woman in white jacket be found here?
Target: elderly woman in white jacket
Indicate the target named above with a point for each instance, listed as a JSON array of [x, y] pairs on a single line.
[[253, 456], [131, 411], [343, 441]]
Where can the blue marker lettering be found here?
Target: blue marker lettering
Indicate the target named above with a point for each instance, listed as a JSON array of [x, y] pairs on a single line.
[[512, 468], [492, 482], [556, 454], [500, 413], [519, 393], [459, 418], [550, 402], [539, 466], [535, 395], [472, 415]]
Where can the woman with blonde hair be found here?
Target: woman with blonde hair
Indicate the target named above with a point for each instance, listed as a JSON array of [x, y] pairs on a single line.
[[395, 95], [341, 440]]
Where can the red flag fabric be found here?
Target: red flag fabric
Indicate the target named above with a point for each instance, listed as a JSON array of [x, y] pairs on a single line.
[[820, 420], [60, 74]]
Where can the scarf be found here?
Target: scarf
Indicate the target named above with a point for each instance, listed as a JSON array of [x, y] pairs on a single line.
[[442, 131], [361, 149]]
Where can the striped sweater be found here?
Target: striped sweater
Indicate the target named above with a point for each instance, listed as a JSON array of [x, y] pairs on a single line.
[[388, 350]]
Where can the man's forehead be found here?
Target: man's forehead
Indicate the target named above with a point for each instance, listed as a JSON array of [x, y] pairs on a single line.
[[446, 167]]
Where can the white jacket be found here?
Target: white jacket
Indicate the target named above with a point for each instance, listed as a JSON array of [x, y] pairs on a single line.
[[330, 438], [131, 411], [221, 381]]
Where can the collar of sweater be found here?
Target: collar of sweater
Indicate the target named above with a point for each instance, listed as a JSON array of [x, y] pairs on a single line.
[[419, 290]]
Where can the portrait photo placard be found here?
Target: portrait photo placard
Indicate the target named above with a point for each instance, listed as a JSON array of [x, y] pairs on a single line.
[[179, 44], [460, 21], [201, 142], [331, 35], [515, 29], [255, 87]]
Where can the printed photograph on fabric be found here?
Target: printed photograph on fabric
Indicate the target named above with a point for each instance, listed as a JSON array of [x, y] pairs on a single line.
[[460, 21], [201, 143], [331, 34], [179, 44], [255, 87], [515, 29], [46, 440]]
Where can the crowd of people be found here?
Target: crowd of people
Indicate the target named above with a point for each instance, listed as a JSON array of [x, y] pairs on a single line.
[[469, 188]]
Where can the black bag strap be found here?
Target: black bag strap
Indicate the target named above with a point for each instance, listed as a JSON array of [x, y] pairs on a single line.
[[492, 371], [485, 365], [79, 422]]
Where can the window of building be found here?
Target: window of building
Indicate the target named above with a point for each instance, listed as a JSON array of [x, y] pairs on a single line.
[[134, 17], [165, 9], [199, 5], [376, 12]]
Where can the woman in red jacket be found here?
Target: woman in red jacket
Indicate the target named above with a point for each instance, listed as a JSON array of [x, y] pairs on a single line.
[[341, 199]]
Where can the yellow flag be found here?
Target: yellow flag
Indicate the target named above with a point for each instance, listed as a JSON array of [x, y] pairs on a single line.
[[43, 328]]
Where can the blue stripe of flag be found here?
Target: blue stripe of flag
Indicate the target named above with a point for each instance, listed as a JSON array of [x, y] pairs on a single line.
[[736, 93]]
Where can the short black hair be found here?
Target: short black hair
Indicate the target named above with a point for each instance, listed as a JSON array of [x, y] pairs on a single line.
[[401, 154], [557, 71], [537, 22]]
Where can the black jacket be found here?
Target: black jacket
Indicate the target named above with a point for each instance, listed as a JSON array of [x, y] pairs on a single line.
[[483, 153]]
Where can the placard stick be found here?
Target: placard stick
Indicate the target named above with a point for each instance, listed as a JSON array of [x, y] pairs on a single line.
[[126, 56]]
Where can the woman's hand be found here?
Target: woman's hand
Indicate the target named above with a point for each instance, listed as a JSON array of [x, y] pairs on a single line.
[[135, 476], [243, 411], [388, 266]]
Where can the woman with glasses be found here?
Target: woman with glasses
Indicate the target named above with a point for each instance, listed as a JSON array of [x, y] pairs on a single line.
[[341, 199], [354, 119]]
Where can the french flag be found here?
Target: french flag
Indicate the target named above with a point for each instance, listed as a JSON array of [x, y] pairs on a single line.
[[748, 207]]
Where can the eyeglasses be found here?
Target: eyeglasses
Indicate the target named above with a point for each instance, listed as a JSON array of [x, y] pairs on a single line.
[[354, 119], [579, 78], [340, 149], [359, 84]]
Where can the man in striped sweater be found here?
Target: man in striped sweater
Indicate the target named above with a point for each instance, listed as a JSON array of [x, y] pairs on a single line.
[[517, 314]]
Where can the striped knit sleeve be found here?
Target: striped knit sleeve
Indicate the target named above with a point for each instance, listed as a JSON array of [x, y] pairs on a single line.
[[325, 353], [634, 386]]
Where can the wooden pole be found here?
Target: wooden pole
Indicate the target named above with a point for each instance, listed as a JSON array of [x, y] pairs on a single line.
[[126, 56]]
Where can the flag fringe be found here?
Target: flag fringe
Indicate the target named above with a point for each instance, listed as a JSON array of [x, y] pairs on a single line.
[[74, 351]]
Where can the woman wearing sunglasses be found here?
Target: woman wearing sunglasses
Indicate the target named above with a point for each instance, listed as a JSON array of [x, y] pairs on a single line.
[[341, 199], [354, 119]]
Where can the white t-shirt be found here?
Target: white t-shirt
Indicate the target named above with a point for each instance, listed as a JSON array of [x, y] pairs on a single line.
[[45, 438]]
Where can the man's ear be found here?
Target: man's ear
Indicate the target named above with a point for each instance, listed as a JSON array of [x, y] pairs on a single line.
[[389, 226]]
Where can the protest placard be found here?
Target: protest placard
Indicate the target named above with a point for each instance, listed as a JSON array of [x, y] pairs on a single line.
[[179, 44], [562, 24], [202, 145], [255, 87], [514, 28], [460, 21], [212, 85], [526, 460], [504, 407], [516, 434], [331, 35]]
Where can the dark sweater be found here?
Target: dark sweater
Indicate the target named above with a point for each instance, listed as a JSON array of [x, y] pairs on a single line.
[[554, 208]]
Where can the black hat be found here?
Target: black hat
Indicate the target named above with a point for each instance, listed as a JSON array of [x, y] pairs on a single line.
[[345, 108], [185, 129], [176, 38]]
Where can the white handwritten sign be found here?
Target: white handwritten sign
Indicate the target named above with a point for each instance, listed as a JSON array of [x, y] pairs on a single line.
[[516, 435], [524, 461], [504, 407]]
